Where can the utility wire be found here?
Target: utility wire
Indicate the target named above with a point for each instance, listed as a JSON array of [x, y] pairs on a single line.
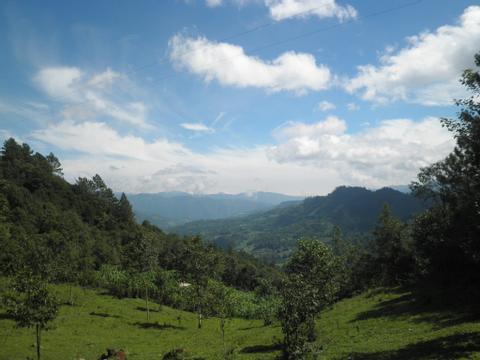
[[257, 49]]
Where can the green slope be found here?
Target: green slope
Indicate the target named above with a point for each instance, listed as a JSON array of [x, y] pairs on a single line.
[[381, 324], [273, 234]]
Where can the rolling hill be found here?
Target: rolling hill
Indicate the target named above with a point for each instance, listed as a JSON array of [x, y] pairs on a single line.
[[272, 234]]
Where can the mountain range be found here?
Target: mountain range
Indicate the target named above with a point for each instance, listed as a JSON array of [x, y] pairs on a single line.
[[272, 234], [167, 209]]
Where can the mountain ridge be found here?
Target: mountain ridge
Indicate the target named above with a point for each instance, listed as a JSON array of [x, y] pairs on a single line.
[[273, 233]]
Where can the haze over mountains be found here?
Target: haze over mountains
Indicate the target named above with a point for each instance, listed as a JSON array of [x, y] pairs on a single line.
[[167, 209]]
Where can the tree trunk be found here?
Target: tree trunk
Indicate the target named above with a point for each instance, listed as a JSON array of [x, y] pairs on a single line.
[[70, 296], [199, 318], [37, 328], [222, 328], [147, 304]]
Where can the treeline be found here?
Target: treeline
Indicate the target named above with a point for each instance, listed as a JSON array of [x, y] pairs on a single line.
[[68, 232], [81, 233]]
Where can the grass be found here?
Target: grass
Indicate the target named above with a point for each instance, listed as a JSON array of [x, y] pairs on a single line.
[[381, 324]]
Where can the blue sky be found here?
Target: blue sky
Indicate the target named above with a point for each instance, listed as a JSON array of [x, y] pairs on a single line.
[[294, 96]]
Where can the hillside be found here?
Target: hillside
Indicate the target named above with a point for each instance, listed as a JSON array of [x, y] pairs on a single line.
[[168, 209], [378, 325], [69, 231], [272, 234]]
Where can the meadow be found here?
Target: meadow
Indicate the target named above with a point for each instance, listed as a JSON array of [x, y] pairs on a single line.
[[379, 324]]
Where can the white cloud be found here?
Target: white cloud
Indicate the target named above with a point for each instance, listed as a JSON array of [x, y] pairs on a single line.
[[427, 70], [197, 127], [308, 158], [392, 152], [59, 82], [229, 65], [332, 125], [90, 96], [325, 106], [352, 106], [284, 9], [97, 138], [213, 3], [132, 164], [104, 79]]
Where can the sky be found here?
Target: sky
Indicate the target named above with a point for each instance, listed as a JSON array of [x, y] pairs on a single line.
[[207, 96]]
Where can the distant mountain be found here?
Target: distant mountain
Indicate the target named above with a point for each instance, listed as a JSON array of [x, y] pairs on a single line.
[[168, 209], [402, 188], [272, 234]]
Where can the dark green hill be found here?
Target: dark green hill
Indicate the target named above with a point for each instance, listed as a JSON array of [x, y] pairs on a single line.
[[272, 234], [68, 231]]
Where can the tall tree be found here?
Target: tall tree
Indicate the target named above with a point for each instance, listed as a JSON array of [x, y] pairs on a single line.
[[55, 165], [447, 237], [201, 264], [312, 283], [31, 304], [393, 248]]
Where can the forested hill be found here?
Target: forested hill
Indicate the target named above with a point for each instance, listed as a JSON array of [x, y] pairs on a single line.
[[174, 208], [273, 234], [67, 232]]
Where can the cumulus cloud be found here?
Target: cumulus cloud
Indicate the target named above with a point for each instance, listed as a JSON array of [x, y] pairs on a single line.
[[284, 9], [427, 69], [133, 164], [325, 106], [229, 65], [390, 153], [307, 159], [197, 127], [86, 96], [97, 138], [59, 82]]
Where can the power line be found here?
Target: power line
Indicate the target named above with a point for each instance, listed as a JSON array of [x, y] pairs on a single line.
[[308, 34], [166, 57], [260, 48]]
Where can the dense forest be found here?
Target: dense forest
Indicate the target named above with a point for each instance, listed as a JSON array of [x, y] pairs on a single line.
[[67, 232], [52, 231], [272, 235]]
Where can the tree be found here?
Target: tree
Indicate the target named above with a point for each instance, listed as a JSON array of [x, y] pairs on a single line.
[[30, 303], [55, 165], [266, 298], [223, 303], [338, 244], [393, 248], [201, 264], [146, 282], [447, 236], [311, 284]]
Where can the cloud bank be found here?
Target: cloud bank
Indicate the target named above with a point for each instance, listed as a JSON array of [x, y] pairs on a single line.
[[427, 69]]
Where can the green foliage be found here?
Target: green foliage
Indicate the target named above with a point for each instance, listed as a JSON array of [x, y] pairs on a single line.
[[30, 304], [311, 285], [393, 249], [379, 324], [272, 235], [447, 236], [268, 302], [82, 233]]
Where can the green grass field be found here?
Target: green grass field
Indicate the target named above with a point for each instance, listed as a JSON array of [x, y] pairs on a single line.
[[375, 325]]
